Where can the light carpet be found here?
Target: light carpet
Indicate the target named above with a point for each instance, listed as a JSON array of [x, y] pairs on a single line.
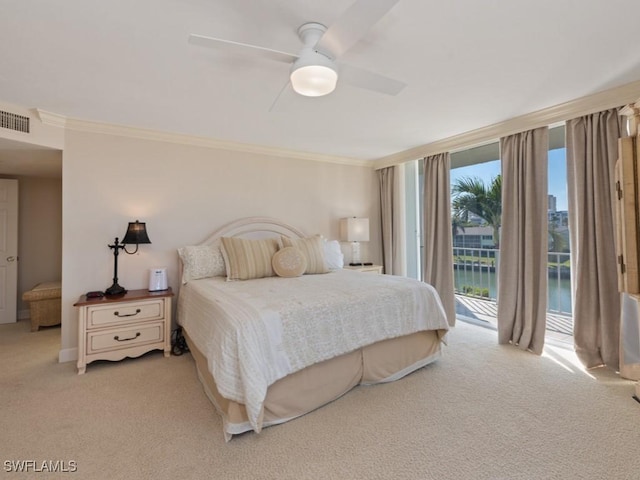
[[483, 411]]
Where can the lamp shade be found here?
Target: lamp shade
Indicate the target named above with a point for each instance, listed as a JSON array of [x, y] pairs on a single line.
[[354, 229], [136, 234]]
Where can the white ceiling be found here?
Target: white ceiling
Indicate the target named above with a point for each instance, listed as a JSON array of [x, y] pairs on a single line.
[[467, 64]]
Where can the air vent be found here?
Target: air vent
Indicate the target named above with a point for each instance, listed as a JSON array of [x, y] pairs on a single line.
[[15, 122]]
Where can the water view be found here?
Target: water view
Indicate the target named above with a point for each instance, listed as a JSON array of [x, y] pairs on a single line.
[[483, 283]]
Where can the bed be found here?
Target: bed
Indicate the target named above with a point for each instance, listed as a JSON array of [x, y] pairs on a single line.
[[270, 347]]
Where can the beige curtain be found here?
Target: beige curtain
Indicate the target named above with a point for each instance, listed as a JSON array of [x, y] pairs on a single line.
[[522, 277], [437, 265], [392, 214], [592, 150]]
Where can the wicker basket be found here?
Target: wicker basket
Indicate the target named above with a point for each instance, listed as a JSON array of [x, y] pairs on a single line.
[[44, 304]]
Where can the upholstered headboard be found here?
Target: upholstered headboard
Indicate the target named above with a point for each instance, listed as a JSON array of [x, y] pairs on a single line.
[[254, 228]]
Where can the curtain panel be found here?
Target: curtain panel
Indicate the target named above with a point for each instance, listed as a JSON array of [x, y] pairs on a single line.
[[392, 219], [592, 151], [522, 267], [437, 265]]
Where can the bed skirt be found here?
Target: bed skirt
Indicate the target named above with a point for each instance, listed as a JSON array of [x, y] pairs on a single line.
[[319, 384]]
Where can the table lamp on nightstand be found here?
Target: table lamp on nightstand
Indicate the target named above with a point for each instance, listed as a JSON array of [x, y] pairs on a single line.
[[354, 230], [136, 234]]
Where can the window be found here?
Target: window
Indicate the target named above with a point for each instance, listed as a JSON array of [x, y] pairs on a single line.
[[476, 233]]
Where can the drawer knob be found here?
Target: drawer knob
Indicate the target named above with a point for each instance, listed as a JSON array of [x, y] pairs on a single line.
[[117, 314], [118, 339]]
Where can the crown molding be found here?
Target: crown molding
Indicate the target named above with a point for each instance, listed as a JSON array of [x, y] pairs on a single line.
[[614, 97], [177, 138], [49, 118]]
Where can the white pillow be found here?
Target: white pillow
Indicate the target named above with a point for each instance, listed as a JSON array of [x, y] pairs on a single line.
[[201, 261], [333, 256]]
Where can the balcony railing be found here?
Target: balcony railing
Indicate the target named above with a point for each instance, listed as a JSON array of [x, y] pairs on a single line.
[[475, 274]]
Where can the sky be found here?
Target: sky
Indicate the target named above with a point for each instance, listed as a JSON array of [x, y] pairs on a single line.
[[557, 175]]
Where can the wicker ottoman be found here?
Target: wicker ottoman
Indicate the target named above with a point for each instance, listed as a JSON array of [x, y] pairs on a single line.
[[44, 303]]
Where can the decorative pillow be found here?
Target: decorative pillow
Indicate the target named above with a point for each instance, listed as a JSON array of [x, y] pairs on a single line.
[[289, 262], [312, 249], [333, 256], [246, 259], [201, 261]]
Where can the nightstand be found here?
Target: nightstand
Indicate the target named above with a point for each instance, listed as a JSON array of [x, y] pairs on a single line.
[[365, 268], [112, 328]]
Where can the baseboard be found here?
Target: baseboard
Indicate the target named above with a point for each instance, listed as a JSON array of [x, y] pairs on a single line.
[[68, 355]]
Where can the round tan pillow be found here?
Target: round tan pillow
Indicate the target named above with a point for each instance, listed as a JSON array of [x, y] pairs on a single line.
[[289, 262]]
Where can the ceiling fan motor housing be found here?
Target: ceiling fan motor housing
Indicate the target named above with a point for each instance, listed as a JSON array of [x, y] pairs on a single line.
[[313, 74]]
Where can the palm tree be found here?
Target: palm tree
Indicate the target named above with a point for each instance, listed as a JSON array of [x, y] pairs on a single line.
[[557, 242], [457, 225], [472, 196]]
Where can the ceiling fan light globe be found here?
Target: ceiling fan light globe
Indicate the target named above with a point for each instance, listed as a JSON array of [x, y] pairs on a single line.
[[313, 80]]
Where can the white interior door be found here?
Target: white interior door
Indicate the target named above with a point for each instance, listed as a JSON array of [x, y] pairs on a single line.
[[8, 250]]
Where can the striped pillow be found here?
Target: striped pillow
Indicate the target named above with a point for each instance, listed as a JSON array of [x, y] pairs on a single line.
[[246, 259], [313, 249]]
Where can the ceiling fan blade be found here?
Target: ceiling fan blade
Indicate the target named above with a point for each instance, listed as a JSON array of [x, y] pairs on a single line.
[[352, 25], [245, 48], [359, 77]]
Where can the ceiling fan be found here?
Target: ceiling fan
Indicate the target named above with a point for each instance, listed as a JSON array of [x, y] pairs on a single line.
[[315, 69]]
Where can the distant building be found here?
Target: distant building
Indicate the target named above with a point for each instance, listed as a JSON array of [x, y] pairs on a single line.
[[474, 237], [559, 219], [482, 237], [552, 203]]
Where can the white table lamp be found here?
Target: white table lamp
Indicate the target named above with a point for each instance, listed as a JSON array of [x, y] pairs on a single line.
[[354, 230]]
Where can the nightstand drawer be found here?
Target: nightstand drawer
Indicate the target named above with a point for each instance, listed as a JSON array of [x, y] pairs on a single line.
[[131, 336], [125, 313]]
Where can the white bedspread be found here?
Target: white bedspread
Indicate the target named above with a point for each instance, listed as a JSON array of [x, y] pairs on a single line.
[[255, 332]]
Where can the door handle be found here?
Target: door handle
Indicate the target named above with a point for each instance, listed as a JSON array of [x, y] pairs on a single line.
[[11, 259]]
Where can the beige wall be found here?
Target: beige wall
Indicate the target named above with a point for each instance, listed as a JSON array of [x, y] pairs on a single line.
[[39, 233], [183, 193]]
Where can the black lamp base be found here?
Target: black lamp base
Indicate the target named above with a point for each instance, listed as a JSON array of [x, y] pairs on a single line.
[[115, 289]]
